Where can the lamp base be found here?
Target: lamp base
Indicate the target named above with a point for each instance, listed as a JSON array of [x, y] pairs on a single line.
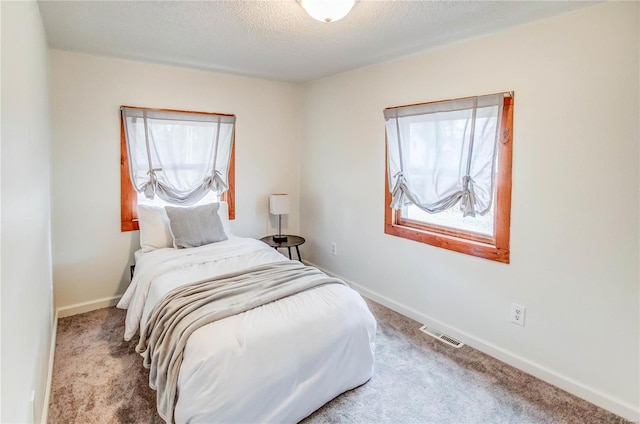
[[279, 239]]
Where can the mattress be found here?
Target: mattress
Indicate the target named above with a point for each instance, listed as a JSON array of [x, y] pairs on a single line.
[[275, 363]]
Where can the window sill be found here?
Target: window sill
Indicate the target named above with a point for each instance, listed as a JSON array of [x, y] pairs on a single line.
[[449, 242]]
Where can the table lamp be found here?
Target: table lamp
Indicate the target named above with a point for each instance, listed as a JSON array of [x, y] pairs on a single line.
[[279, 205]]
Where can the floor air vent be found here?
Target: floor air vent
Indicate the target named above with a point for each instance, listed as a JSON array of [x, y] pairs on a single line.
[[442, 337]]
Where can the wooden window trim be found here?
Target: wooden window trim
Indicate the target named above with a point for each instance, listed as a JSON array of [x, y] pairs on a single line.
[[494, 248], [128, 195]]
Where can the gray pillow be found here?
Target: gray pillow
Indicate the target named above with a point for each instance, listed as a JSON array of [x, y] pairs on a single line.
[[195, 226]]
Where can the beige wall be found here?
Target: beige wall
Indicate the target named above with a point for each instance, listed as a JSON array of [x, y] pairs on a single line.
[[27, 313], [91, 256], [575, 216]]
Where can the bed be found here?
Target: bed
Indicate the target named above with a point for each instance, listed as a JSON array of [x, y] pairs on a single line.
[[277, 362]]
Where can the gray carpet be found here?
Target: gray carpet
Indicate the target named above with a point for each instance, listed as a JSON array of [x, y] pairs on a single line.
[[98, 378]]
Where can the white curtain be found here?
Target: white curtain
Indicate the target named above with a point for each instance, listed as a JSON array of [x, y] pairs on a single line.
[[178, 156], [444, 153]]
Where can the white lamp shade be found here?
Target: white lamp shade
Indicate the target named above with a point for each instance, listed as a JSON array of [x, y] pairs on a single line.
[[327, 10], [279, 204]]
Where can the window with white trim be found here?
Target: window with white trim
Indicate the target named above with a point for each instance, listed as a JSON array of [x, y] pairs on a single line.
[[448, 174]]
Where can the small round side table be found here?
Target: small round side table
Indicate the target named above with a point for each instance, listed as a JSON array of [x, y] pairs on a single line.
[[292, 241]]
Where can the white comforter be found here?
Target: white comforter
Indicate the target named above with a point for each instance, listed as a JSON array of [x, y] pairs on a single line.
[[275, 363]]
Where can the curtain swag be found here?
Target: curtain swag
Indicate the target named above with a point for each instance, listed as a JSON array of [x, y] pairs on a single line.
[[178, 156], [444, 153]]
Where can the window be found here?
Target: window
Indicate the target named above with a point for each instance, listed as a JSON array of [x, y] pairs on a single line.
[[448, 174], [178, 157]]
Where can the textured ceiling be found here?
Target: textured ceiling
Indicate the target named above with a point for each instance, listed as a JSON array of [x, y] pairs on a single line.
[[276, 39]]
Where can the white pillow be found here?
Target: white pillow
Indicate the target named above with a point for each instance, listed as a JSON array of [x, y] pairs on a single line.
[[223, 213], [154, 228]]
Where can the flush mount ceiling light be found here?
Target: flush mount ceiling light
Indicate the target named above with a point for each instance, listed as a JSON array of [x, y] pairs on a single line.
[[327, 10]]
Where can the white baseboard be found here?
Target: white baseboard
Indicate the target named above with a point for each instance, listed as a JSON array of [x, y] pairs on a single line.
[[47, 391], [80, 308], [552, 377]]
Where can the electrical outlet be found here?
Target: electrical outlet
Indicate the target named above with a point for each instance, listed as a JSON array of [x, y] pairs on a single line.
[[334, 248], [517, 314]]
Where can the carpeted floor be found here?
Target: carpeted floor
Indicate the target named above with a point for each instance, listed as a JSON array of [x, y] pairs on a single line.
[[98, 378]]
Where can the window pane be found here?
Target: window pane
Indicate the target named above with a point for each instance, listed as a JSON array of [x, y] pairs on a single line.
[[452, 218], [211, 197]]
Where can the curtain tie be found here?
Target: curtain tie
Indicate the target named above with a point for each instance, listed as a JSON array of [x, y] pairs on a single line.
[[468, 200], [151, 186], [398, 192], [218, 182]]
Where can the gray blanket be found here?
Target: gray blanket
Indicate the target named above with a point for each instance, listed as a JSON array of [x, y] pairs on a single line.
[[185, 309]]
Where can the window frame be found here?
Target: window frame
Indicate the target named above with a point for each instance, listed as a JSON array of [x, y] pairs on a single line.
[[494, 248], [129, 196]]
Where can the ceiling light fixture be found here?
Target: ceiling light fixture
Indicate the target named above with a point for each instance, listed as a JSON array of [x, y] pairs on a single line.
[[327, 10]]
